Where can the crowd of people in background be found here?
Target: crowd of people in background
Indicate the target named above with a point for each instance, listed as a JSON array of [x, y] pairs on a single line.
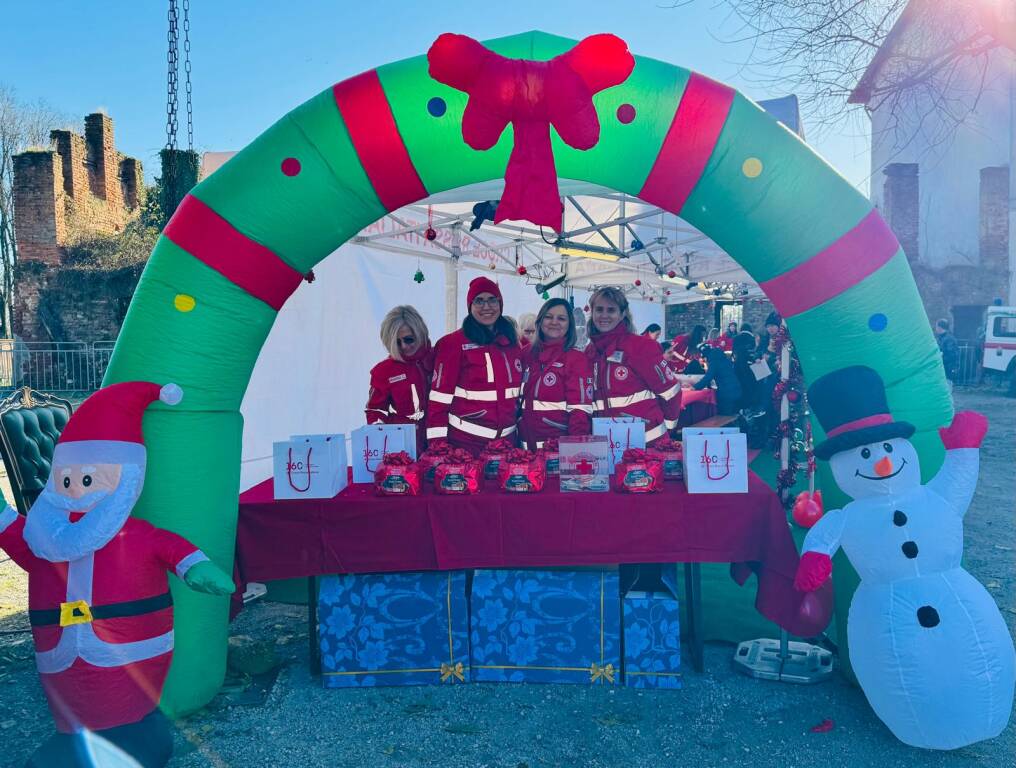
[[528, 381]]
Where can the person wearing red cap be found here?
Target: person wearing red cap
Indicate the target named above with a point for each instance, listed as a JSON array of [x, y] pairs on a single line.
[[477, 375], [99, 601], [557, 392], [630, 375]]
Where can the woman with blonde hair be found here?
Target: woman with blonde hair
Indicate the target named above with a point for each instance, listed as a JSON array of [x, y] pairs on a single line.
[[399, 384], [527, 330], [630, 375]]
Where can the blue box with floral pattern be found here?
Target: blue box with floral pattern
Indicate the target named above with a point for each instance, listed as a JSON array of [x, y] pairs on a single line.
[[652, 636], [393, 629], [530, 626]]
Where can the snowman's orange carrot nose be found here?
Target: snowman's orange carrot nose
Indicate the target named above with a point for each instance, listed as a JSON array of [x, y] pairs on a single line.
[[884, 467]]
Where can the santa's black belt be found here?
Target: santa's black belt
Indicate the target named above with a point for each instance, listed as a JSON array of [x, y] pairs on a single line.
[[80, 612]]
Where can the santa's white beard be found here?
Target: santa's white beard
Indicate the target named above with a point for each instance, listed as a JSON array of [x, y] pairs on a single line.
[[51, 535]]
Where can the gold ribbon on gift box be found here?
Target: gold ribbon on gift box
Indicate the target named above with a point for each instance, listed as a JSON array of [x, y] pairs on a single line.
[[449, 671], [606, 672]]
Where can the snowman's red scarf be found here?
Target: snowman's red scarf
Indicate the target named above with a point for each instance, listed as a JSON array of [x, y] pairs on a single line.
[[52, 533]]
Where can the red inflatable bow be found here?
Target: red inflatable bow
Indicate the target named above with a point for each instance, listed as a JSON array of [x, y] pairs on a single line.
[[531, 95]]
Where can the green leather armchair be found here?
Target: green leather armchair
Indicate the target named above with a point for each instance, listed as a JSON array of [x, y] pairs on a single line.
[[30, 424]]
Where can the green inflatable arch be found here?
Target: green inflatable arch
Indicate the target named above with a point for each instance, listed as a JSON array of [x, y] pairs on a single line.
[[243, 239]]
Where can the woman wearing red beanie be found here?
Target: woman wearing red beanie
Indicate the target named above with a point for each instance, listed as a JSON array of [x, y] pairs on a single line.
[[477, 375], [630, 375]]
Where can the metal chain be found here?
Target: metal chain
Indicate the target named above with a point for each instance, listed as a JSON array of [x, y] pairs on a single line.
[[172, 100], [187, 73]]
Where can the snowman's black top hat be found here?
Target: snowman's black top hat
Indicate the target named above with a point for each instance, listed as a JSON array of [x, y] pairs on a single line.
[[851, 406]]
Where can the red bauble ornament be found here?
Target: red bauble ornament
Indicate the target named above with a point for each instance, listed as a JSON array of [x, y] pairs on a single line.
[[522, 269], [807, 509], [638, 282], [666, 293], [793, 395], [672, 273], [430, 234], [585, 308]]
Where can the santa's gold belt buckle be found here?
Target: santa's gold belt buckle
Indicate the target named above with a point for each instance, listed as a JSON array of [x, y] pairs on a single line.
[[77, 612]]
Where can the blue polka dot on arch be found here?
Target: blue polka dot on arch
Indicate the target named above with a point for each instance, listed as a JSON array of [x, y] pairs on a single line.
[[437, 106], [878, 322]]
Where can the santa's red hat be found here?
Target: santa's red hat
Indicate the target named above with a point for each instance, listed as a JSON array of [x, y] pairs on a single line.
[[106, 428]]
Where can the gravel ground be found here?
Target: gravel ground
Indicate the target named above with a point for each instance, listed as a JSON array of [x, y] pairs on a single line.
[[719, 718]]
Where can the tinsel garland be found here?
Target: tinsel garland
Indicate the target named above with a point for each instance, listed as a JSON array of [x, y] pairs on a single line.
[[793, 388]]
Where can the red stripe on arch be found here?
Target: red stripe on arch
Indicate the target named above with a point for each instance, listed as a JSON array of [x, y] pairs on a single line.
[[215, 242], [845, 263], [689, 143], [376, 139]]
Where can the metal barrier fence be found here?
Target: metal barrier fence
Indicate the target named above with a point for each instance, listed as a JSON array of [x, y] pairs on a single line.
[[969, 372], [59, 367]]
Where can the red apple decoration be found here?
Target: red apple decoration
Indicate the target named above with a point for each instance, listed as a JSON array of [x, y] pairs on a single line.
[[430, 234]]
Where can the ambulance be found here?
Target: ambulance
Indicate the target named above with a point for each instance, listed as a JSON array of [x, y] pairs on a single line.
[[1000, 345]]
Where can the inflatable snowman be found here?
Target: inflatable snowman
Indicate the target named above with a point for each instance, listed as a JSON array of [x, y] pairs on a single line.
[[927, 642]]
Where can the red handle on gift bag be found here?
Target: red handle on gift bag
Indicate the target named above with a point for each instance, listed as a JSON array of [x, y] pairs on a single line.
[[710, 463], [366, 453], [289, 471], [627, 443]]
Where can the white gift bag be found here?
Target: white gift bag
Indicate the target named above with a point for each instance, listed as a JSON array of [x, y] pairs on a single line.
[[372, 443], [622, 433], [309, 466], [715, 461]]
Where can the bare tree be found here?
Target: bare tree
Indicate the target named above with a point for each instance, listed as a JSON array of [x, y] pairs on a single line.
[[821, 50], [22, 125]]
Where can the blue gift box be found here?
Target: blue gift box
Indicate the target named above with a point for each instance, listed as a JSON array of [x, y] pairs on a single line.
[[545, 626], [652, 636], [393, 629]]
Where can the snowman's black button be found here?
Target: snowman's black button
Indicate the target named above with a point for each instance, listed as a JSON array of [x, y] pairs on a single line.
[[909, 549], [899, 518], [927, 616]]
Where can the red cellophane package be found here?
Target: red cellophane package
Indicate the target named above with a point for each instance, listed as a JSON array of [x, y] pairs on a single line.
[[492, 456], [672, 454], [460, 472], [522, 472], [639, 471], [397, 476], [431, 458], [550, 456]]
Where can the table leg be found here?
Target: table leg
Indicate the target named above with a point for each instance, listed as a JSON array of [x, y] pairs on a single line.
[[312, 629], [693, 612]]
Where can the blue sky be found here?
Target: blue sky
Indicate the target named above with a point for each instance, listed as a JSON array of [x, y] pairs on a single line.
[[254, 60]]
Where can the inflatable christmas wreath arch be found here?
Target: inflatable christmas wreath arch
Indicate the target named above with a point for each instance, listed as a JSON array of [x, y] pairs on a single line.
[[241, 242]]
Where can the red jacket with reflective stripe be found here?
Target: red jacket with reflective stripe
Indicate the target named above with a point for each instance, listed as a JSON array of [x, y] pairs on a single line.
[[631, 378], [557, 396], [475, 388], [398, 391]]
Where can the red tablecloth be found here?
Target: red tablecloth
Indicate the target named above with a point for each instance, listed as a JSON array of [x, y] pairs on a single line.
[[696, 404], [358, 532]]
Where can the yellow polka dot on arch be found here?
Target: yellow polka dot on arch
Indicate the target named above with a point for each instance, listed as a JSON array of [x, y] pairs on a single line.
[[184, 303], [752, 167]]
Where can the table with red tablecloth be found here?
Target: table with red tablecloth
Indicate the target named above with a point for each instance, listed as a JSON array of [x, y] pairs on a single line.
[[359, 532]]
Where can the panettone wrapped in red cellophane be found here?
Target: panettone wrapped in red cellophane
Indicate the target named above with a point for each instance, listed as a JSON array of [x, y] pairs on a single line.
[[431, 458], [460, 472], [639, 471], [398, 475], [493, 454], [522, 472], [550, 456], [673, 458]]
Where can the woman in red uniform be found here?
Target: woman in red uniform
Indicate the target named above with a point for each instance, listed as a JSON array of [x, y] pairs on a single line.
[[477, 375], [685, 347], [399, 383], [630, 376], [557, 389]]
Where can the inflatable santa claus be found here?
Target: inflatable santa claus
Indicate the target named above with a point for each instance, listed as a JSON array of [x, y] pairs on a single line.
[[99, 600]]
